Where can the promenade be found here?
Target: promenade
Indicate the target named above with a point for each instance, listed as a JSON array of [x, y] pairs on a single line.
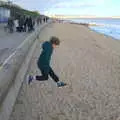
[[89, 63], [9, 42]]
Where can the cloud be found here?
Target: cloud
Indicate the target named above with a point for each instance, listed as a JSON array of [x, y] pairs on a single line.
[[73, 5], [78, 4], [64, 6]]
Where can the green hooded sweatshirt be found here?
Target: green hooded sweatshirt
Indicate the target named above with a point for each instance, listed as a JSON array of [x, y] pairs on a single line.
[[45, 56]]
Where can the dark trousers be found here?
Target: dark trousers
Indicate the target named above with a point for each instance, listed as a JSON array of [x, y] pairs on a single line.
[[45, 73], [20, 29], [24, 28]]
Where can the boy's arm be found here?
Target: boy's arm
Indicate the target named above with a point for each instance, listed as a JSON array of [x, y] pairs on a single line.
[[48, 56], [47, 52]]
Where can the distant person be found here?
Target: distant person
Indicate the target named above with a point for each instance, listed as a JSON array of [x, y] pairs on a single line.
[[47, 19], [10, 25], [44, 20], [38, 21], [21, 23], [25, 24], [16, 24], [33, 24], [30, 24], [41, 20], [44, 63]]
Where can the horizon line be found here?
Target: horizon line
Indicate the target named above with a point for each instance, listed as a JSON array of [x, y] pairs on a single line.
[[80, 16]]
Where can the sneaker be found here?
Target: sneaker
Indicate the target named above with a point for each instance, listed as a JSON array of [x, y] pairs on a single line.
[[61, 84], [30, 79]]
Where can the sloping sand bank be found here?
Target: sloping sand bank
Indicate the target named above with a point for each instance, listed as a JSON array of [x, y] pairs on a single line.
[[90, 63]]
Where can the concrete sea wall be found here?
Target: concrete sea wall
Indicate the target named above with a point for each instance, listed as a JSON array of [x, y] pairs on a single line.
[[13, 72]]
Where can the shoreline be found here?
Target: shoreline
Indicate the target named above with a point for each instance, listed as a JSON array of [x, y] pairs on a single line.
[[92, 25], [106, 29], [104, 34], [97, 33]]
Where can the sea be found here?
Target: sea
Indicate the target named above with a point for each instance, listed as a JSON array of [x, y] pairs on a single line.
[[108, 26]]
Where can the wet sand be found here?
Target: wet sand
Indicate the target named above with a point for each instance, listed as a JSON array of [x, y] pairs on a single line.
[[89, 63]]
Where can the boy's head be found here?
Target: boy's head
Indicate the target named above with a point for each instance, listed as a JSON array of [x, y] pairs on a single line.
[[55, 41]]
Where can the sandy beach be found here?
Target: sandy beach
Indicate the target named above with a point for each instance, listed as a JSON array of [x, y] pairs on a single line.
[[89, 63]]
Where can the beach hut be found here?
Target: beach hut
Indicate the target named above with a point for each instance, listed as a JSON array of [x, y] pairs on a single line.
[[4, 12]]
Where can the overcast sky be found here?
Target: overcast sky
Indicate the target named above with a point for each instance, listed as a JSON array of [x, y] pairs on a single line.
[[73, 7]]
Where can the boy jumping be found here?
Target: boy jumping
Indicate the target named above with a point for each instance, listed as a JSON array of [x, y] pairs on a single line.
[[44, 63]]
